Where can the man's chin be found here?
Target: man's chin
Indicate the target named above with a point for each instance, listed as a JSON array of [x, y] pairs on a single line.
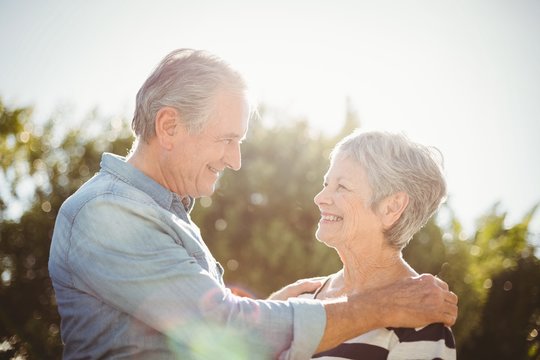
[[207, 192]]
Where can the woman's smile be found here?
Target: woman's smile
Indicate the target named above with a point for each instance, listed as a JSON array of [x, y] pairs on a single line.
[[330, 218]]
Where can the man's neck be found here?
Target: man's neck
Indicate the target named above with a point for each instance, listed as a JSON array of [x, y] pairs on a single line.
[[144, 159]]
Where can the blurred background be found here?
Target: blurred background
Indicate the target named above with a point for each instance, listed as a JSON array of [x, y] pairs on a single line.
[[463, 76]]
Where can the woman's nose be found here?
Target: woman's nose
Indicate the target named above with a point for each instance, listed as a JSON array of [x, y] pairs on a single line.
[[321, 197]]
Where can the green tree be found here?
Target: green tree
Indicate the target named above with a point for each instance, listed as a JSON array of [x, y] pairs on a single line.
[[259, 224], [496, 277], [502, 277], [515, 293], [53, 163]]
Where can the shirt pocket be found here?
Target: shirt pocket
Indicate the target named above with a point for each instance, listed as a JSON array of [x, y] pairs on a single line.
[[201, 259], [208, 263]]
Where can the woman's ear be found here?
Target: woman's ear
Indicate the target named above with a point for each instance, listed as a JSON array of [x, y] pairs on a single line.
[[167, 124], [392, 207]]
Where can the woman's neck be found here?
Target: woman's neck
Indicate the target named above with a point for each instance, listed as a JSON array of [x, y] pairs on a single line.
[[365, 269]]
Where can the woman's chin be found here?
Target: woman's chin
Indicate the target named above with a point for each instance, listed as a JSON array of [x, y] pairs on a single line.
[[326, 240]]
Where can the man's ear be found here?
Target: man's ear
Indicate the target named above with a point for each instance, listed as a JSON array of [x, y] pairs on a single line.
[[392, 207], [167, 124]]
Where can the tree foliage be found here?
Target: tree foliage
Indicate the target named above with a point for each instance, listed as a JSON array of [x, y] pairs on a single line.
[[259, 224], [51, 163]]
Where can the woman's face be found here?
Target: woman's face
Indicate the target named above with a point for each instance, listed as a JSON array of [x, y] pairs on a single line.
[[344, 203]]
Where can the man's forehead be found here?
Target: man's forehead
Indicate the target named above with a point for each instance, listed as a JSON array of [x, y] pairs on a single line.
[[230, 117], [227, 128]]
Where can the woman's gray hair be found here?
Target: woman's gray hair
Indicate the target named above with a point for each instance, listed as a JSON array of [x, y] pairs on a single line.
[[393, 163], [187, 80]]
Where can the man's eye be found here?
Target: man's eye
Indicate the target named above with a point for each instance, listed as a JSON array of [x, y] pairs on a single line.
[[227, 141], [341, 187]]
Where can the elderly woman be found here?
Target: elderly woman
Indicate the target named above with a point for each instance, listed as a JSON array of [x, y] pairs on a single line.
[[379, 191]]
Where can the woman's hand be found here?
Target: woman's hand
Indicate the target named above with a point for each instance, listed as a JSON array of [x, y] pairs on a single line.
[[297, 288]]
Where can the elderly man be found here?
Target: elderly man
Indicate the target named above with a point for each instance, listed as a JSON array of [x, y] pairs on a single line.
[[132, 275]]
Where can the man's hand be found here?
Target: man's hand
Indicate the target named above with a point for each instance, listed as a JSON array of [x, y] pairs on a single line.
[[409, 303], [418, 302], [297, 288]]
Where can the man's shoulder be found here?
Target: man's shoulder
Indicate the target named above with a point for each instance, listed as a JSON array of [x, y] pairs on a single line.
[[103, 188]]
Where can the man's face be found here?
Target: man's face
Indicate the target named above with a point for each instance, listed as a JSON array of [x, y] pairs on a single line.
[[194, 164]]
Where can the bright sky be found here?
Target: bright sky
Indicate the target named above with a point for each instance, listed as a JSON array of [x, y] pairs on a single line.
[[463, 75]]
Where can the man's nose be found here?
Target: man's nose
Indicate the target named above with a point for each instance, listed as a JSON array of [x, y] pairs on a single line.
[[233, 157]]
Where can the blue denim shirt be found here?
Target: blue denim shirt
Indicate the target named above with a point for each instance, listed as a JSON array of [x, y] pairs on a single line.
[[134, 279]]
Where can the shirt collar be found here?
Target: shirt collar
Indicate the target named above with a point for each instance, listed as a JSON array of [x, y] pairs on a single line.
[[119, 167]]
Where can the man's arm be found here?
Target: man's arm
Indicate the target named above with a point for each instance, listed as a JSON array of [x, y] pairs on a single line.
[[410, 303], [135, 258]]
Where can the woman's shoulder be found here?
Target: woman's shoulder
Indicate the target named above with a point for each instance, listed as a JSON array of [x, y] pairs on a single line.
[[433, 332], [313, 294], [434, 341]]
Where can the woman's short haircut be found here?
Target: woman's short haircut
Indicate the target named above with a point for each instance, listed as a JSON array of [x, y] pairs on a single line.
[[393, 163], [187, 80]]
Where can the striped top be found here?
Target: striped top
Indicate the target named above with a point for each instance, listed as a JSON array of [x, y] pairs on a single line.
[[434, 341]]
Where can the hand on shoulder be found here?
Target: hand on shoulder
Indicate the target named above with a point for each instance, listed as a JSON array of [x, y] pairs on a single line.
[[418, 301], [297, 288]]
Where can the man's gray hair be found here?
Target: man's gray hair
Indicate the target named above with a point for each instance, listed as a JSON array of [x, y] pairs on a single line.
[[393, 163], [187, 80]]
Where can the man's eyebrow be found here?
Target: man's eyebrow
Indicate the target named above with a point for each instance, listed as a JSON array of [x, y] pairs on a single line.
[[232, 136]]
